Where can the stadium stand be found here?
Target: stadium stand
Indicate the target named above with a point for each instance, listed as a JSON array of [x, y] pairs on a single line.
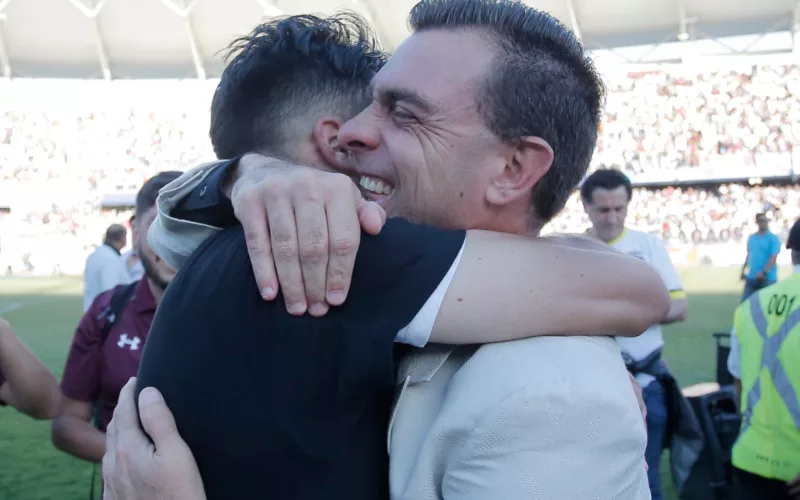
[[692, 134]]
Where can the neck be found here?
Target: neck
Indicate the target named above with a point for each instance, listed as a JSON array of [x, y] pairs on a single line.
[[593, 233], [156, 290]]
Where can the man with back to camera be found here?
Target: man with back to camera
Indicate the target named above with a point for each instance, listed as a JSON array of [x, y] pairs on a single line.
[[763, 248], [108, 343], [765, 347], [104, 267], [616, 470], [606, 195]]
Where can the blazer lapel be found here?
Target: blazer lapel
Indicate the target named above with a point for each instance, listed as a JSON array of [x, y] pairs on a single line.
[[418, 367]]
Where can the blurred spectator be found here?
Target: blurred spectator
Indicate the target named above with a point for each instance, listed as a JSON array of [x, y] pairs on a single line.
[[759, 270], [697, 215], [131, 259], [105, 268]]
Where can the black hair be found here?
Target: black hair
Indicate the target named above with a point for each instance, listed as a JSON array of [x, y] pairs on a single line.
[[543, 84], [147, 195], [114, 234], [605, 179], [290, 67]]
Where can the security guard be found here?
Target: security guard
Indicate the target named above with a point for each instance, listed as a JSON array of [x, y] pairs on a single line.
[[765, 361]]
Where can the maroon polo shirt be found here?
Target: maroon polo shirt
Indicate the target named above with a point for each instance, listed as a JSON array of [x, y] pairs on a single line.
[[96, 371]]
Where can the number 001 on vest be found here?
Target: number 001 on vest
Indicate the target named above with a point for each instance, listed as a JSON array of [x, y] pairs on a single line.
[[768, 328]]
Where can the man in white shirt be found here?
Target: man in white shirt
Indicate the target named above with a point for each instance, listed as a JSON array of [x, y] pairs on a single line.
[[131, 258], [105, 268], [606, 195]]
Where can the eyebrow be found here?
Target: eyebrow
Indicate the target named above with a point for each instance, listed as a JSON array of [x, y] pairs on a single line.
[[401, 94]]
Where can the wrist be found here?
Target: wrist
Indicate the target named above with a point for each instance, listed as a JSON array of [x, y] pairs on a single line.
[[251, 168]]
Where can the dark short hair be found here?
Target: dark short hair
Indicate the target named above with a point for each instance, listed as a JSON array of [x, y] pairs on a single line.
[[147, 195], [291, 67], [114, 233], [542, 84], [605, 179]]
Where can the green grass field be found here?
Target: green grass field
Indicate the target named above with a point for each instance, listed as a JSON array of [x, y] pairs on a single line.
[[45, 311]]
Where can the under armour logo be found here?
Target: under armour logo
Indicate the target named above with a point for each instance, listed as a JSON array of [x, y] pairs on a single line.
[[133, 343]]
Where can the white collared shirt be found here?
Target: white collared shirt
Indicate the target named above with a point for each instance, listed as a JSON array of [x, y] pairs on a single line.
[[104, 270]]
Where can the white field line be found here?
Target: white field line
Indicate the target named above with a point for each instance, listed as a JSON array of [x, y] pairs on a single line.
[[11, 307]]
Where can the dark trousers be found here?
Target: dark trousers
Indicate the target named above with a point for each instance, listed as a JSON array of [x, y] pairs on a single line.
[[748, 486], [751, 286]]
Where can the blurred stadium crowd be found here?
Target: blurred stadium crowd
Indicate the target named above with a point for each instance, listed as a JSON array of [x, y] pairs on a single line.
[[60, 157], [666, 121]]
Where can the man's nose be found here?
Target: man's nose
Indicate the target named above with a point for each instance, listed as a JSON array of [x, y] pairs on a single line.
[[360, 133]]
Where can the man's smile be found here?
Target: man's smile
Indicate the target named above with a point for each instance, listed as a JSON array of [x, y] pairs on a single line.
[[375, 188]]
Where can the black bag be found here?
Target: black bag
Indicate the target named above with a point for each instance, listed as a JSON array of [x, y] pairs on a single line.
[[111, 314]]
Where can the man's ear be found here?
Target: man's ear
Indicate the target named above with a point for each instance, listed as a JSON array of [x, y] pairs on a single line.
[[525, 166], [326, 138]]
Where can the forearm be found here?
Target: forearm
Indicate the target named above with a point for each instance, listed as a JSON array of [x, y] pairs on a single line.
[[32, 388], [509, 287], [79, 438], [678, 310], [770, 264]]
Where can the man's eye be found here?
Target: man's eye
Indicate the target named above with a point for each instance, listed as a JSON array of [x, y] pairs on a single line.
[[401, 114]]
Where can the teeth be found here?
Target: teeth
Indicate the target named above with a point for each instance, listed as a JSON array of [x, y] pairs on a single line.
[[375, 185]]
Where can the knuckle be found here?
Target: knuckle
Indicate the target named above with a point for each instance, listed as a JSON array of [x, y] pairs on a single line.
[[285, 249], [342, 184], [344, 246], [313, 252], [336, 279], [274, 189], [245, 196], [304, 181], [254, 244]]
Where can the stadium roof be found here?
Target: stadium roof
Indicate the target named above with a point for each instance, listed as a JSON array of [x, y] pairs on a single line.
[[182, 38]]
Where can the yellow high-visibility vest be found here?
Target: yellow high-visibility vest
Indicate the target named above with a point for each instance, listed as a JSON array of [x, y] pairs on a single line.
[[768, 328]]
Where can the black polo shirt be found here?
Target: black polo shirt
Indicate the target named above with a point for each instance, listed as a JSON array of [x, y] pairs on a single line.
[[285, 407]]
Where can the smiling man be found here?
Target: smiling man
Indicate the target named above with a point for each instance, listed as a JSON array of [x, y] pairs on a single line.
[[300, 405]]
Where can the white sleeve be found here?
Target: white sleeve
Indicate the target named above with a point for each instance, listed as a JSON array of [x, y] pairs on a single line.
[[112, 273], [734, 360], [418, 332], [663, 265]]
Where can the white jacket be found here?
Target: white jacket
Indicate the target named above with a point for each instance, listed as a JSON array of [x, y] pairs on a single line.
[[548, 418]]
